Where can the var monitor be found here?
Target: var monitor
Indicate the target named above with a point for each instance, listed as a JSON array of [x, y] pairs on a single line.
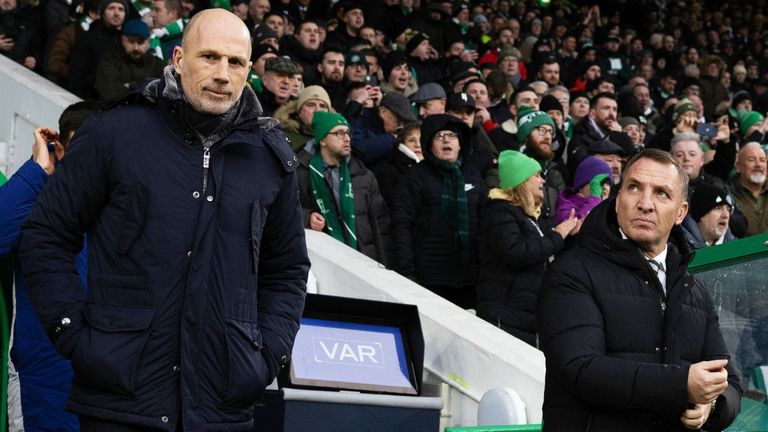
[[370, 352]]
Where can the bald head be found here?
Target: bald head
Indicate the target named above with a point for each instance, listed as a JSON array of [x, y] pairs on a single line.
[[213, 60]]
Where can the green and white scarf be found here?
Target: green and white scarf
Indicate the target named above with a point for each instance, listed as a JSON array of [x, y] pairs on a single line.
[[322, 194]]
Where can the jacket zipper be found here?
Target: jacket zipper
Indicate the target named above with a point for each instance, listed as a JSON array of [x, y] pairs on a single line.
[[206, 164]]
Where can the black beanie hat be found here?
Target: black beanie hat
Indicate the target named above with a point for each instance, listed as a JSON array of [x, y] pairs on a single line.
[[414, 42], [705, 198], [549, 103], [393, 59]]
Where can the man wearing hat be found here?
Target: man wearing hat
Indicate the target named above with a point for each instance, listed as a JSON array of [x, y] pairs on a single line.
[[356, 68], [751, 125], [373, 133], [338, 195], [278, 76], [429, 100], [685, 117], [509, 63], [707, 221], [102, 37], [296, 116], [121, 71], [422, 57], [259, 56], [633, 129], [504, 137], [535, 133], [263, 34], [397, 75], [612, 61]]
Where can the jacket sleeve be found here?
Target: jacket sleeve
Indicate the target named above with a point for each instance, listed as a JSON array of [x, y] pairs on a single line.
[[514, 246], [53, 235], [58, 56], [725, 156], [18, 196], [79, 65], [405, 209], [572, 336], [371, 147], [380, 221], [283, 269]]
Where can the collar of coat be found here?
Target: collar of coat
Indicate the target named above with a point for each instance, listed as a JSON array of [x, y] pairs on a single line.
[[600, 234], [246, 110]]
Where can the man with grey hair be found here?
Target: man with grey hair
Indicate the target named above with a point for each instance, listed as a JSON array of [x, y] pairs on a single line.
[[685, 147], [635, 345], [197, 263], [749, 187]]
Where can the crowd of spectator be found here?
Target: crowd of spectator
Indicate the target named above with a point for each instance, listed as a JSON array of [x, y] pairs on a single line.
[[462, 144]]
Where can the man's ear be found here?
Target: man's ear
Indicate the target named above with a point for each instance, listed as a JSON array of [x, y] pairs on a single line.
[[682, 212], [178, 57]]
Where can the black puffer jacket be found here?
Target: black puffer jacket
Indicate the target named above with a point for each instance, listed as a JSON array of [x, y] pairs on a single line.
[[617, 349], [425, 242], [514, 252], [372, 222]]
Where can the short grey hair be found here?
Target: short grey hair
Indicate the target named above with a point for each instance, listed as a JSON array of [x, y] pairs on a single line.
[[560, 89], [684, 136]]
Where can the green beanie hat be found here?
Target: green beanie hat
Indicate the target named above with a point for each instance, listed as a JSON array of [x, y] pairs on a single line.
[[682, 107], [528, 120], [323, 122], [747, 119], [515, 168]]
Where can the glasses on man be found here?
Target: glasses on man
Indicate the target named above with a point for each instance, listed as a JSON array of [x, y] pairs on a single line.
[[446, 135], [340, 134], [543, 130]]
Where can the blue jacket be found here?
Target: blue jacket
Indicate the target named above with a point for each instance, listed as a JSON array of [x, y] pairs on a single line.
[[197, 275], [45, 376], [369, 140]]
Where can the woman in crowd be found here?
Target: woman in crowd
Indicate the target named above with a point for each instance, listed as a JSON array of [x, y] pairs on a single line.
[[591, 184], [516, 247], [435, 213], [406, 154]]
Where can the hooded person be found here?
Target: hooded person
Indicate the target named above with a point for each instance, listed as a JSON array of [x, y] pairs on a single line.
[[516, 245], [591, 184], [338, 195], [435, 213], [296, 116]]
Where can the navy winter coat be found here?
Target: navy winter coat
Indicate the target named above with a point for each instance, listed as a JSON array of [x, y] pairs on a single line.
[[196, 276]]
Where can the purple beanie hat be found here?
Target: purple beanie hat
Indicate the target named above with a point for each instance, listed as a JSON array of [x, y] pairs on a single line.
[[588, 169]]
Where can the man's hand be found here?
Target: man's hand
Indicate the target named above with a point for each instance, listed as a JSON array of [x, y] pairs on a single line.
[[316, 221], [375, 94], [723, 131], [613, 125], [6, 43], [30, 62], [694, 418], [706, 381], [687, 124], [482, 114], [40, 153]]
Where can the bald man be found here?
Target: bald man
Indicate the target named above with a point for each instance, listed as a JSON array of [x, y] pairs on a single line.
[[197, 263]]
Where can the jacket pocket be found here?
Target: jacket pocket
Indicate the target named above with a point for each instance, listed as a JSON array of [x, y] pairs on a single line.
[[107, 355], [248, 373], [258, 219], [134, 215]]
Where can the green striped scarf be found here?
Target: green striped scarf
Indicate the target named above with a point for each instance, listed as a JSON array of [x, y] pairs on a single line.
[[454, 201], [322, 194]]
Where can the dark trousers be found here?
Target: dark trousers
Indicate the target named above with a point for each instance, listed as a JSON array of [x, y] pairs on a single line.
[[90, 424]]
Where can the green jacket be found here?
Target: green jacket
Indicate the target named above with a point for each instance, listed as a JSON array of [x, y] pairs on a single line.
[[754, 209], [117, 74]]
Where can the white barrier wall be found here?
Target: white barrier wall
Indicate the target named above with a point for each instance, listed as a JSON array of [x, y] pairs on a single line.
[[27, 101], [461, 349]]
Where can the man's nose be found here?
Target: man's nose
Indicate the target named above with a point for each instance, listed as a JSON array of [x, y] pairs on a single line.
[[221, 71], [645, 203]]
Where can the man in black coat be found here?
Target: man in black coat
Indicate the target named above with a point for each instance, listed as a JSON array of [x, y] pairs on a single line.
[[102, 37], [631, 339], [197, 261]]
